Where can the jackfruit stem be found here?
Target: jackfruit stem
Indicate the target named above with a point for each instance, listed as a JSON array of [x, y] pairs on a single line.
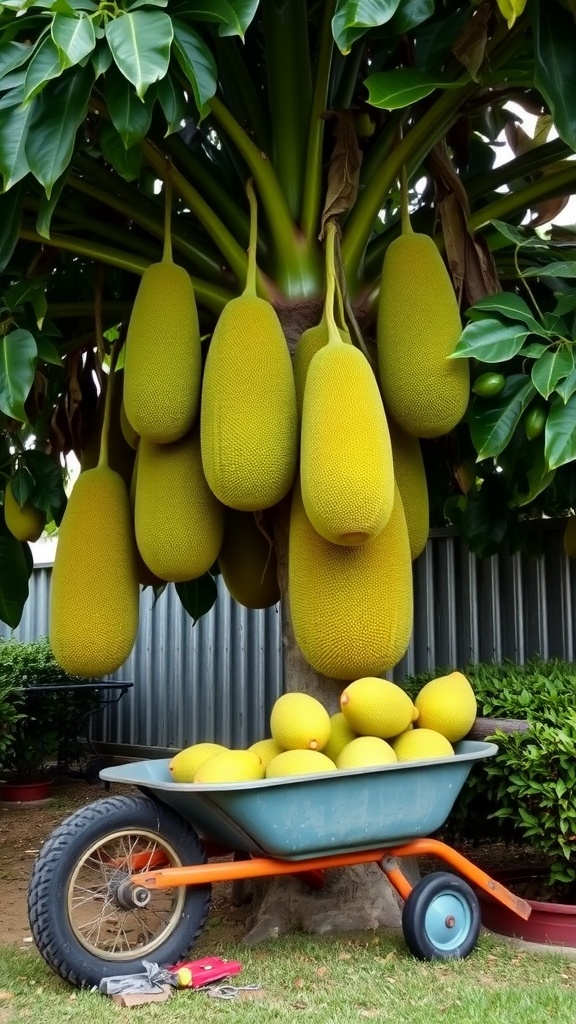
[[405, 203], [333, 333], [103, 456], [250, 288], [167, 252]]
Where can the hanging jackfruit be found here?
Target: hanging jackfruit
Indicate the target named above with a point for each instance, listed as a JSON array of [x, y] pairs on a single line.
[[249, 421], [248, 561], [309, 343], [411, 479], [94, 586], [179, 523], [346, 469], [25, 522], [163, 358], [146, 578], [351, 607], [418, 328]]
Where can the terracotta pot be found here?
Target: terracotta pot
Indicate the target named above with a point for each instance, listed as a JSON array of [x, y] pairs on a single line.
[[25, 792], [550, 923]]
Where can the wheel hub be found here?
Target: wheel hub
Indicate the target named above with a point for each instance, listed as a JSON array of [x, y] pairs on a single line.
[[132, 897]]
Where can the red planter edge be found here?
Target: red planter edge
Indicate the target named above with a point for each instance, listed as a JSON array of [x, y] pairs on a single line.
[[549, 923], [24, 792]]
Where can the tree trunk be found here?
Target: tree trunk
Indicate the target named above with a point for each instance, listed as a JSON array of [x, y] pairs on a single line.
[[357, 897]]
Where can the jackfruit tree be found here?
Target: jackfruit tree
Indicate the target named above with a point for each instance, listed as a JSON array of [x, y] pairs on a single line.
[[253, 254]]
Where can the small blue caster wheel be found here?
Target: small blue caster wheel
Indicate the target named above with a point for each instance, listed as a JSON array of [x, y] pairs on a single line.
[[441, 918]]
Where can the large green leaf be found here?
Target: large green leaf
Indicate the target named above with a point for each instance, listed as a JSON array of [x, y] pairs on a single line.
[[48, 205], [13, 55], [219, 11], [244, 11], [14, 125], [198, 596], [411, 13], [566, 269], [510, 306], [130, 116], [196, 62], [14, 577], [126, 162], [58, 112], [552, 367], [555, 68], [493, 422], [47, 491], [18, 353], [10, 218], [353, 18], [44, 66], [560, 433], [74, 37], [392, 90], [140, 45], [490, 340], [436, 36], [171, 99], [567, 387]]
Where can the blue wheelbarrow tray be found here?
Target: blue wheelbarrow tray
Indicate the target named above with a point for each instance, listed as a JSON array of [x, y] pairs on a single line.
[[306, 816]]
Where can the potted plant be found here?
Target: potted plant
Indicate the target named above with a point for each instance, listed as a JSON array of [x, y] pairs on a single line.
[[38, 725]]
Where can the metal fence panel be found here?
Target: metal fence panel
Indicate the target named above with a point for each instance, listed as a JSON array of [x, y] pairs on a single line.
[[217, 680]]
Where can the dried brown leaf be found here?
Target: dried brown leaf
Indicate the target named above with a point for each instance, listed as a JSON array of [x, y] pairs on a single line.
[[343, 169], [470, 46], [548, 210]]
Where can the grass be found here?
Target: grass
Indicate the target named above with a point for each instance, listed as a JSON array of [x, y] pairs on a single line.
[[324, 981]]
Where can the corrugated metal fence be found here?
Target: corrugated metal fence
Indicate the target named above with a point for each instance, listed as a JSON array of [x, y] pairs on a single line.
[[218, 679]]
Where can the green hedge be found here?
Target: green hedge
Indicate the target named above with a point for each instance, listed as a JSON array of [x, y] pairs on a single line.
[[527, 792]]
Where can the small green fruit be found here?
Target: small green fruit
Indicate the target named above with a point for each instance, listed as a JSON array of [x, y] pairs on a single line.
[[534, 422], [488, 385]]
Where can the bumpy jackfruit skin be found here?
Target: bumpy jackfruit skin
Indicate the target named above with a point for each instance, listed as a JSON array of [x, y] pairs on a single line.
[[346, 469], [25, 523], [411, 479], [249, 420], [163, 367], [309, 343], [179, 523], [351, 607], [418, 328], [248, 562], [121, 455], [94, 588]]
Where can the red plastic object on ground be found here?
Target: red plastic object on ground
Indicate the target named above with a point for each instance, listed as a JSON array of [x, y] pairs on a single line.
[[206, 970]]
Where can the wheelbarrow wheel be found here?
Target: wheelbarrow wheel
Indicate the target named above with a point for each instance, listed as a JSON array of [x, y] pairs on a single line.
[[86, 919], [441, 918]]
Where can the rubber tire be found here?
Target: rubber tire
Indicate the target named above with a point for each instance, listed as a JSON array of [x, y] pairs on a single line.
[[56, 862], [419, 941]]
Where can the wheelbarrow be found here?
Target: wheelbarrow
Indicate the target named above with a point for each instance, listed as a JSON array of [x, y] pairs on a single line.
[[128, 877]]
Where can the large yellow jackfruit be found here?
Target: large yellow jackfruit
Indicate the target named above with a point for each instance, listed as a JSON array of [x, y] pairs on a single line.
[[163, 358], [121, 455], [146, 578], [25, 522], [94, 587], [346, 470], [411, 479], [418, 328], [179, 523], [309, 343], [351, 607], [249, 419], [248, 561]]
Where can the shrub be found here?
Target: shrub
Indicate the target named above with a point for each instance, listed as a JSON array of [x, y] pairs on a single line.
[[527, 792], [35, 725]]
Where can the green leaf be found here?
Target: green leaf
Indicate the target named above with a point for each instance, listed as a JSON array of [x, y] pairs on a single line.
[[196, 62], [567, 387], [218, 11], [436, 37], [101, 58], [74, 37], [493, 422], [18, 353], [560, 432], [533, 351], [171, 99], [565, 304], [490, 341], [47, 351], [12, 56], [509, 305], [198, 596], [516, 235], [392, 90], [130, 116], [21, 484], [10, 219], [48, 492], [44, 66], [47, 206], [126, 162], [58, 113], [553, 366], [353, 18], [140, 45], [14, 576], [410, 14], [567, 269], [244, 11], [554, 34], [14, 125]]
